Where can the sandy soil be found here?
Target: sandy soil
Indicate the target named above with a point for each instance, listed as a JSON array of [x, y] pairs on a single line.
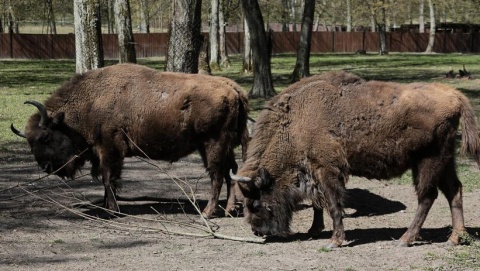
[[40, 230]]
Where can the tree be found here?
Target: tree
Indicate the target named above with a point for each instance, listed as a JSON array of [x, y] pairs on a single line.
[[50, 17], [144, 17], [247, 49], [262, 74], [421, 21], [126, 43], [88, 35], [224, 60], [185, 39], [382, 29], [431, 36], [302, 66], [349, 15], [213, 35]]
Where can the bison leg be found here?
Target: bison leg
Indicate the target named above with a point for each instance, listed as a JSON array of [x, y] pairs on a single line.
[[234, 195], [451, 187], [333, 185], [215, 162], [110, 196], [111, 171], [425, 174], [318, 224]]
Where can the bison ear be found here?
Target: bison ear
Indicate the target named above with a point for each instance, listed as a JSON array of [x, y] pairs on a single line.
[[249, 190], [265, 180], [58, 118]]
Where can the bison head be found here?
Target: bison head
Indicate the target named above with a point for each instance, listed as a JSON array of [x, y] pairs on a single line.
[[268, 208], [50, 143]]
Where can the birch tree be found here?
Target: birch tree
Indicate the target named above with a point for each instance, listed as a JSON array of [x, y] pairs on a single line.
[[213, 35], [431, 36]]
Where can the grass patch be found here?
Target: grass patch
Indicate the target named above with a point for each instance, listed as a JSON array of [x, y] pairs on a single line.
[[467, 257]]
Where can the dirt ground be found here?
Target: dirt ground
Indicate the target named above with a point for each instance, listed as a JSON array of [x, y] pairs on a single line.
[[41, 230]]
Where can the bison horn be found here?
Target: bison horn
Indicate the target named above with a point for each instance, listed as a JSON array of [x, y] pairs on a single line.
[[17, 132], [239, 178], [42, 109]]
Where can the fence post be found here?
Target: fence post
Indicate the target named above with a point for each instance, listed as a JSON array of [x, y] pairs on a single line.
[[333, 41], [11, 43]]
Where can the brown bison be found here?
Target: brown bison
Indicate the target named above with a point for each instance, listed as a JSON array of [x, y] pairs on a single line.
[[129, 110], [310, 138]]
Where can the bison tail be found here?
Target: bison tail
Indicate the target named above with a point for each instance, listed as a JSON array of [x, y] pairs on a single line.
[[470, 136], [242, 129]]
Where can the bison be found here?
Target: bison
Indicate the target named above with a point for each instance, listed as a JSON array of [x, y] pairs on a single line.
[[311, 137], [105, 115]]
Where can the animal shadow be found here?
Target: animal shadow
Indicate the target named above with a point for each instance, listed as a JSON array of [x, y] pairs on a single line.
[[152, 206], [366, 203]]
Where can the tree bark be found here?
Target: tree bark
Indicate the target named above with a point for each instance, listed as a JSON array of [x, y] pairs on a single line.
[[88, 35], [349, 15], [262, 75], [382, 29], [144, 17], [431, 36], [224, 60], [126, 43], [247, 49], [302, 66], [51, 27], [185, 39], [213, 35], [421, 21]]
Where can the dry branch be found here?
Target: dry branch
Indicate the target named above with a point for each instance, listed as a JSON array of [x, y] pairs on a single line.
[[204, 229]]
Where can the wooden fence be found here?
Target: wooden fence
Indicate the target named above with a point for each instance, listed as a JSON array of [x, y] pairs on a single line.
[[45, 46]]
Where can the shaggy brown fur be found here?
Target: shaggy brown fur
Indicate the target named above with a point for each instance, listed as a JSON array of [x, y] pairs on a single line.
[[130, 110], [316, 133]]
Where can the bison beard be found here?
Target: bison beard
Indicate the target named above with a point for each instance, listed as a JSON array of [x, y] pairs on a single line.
[[125, 110], [317, 132]]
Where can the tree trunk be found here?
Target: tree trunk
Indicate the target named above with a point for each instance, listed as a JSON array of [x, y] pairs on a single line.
[[349, 15], [88, 35], [51, 27], [110, 17], [382, 29], [213, 36], [431, 36], [126, 43], [421, 21], [224, 60], [247, 49], [302, 66], [262, 75], [284, 16], [185, 39], [144, 17], [12, 21]]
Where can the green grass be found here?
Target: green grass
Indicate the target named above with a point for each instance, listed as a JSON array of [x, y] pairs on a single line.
[[22, 80]]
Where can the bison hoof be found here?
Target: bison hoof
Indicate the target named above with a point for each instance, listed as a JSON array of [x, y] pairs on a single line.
[[450, 243], [400, 243], [315, 232], [331, 246]]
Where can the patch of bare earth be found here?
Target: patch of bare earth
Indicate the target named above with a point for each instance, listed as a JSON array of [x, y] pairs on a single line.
[[36, 234]]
